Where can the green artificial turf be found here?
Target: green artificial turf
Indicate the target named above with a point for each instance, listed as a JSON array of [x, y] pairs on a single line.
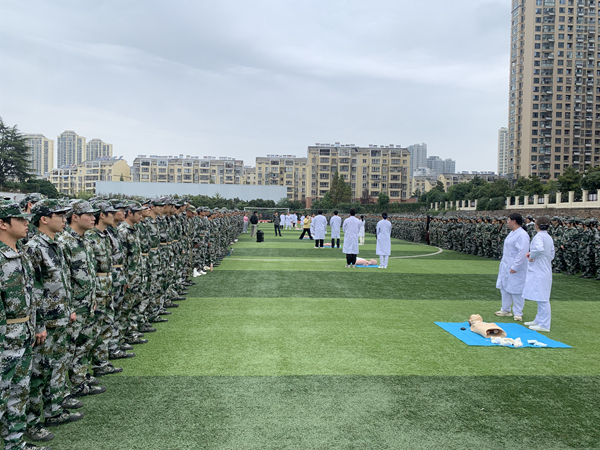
[[282, 347]]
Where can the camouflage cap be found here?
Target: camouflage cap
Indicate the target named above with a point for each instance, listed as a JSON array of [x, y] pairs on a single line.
[[157, 201], [34, 197], [82, 207], [136, 206], [105, 207], [12, 209], [191, 208], [47, 207], [118, 203]]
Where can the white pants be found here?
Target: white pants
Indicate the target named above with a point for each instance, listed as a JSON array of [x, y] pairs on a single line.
[[361, 240], [543, 314], [515, 300], [383, 260]]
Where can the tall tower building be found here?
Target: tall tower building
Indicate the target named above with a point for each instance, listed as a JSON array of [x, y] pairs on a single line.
[[449, 166], [503, 151], [70, 149], [418, 156], [436, 164], [97, 149], [554, 94], [42, 153]]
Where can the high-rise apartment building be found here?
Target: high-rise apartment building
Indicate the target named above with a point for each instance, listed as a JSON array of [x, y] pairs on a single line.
[[449, 166], [436, 164], [97, 149], [369, 170], [418, 156], [286, 170], [554, 93], [503, 151], [75, 178], [70, 149], [42, 153], [187, 169]]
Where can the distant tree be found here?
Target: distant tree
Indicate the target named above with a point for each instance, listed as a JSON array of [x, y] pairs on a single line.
[[365, 198], [531, 185], [383, 200], [417, 193], [500, 188], [591, 180], [570, 180], [14, 155], [341, 192]]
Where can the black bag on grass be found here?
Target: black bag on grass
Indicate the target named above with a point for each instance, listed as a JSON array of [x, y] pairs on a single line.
[[260, 236]]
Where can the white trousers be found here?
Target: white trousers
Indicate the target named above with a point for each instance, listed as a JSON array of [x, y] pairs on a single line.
[[515, 300], [544, 314], [383, 260]]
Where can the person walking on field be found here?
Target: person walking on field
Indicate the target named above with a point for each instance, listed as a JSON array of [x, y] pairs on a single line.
[[384, 243], [335, 223], [277, 223], [351, 229], [245, 225], [361, 232], [254, 223], [513, 268], [538, 283], [320, 225], [306, 224]]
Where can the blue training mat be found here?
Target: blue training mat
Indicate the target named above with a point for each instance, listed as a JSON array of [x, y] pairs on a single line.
[[513, 331], [365, 266]]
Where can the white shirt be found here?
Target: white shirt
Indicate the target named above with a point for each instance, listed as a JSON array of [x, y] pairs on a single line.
[[351, 228], [538, 283], [335, 223], [320, 224], [516, 246], [361, 232], [384, 241]]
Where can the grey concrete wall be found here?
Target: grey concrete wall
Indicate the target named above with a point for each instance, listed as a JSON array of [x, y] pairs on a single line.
[[243, 192]]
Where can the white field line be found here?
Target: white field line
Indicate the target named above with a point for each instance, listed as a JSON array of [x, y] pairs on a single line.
[[326, 259]]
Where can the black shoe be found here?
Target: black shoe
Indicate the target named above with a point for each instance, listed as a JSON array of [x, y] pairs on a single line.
[[29, 446], [38, 433], [178, 299], [65, 417], [84, 389], [162, 312], [147, 328], [120, 354], [170, 305], [158, 320], [125, 347], [107, 370], [139, 341], [91, 381], [71, 403]]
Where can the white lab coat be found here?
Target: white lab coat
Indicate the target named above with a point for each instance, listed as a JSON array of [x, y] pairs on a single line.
[[301, 221], [351, 229], [539, 272], [294, 220], [335, 223], [320, 224], [384, 239], [361, 232], [516, 246]]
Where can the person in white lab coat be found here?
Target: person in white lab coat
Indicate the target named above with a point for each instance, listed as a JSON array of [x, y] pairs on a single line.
[[294, 221], [320, 225], [384, 240], [351, 229], [513, 268], [361, 232], [335, 223], [538, 283]]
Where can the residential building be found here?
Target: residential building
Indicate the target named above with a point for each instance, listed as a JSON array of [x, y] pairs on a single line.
[[369, 170], [42, 153], [70, 149], [249, 175], [418, 156], [503, 151], [422, 183], [187, 169], [97, 149], [554, 88], [435, 164], [74, 178], [283, 170]]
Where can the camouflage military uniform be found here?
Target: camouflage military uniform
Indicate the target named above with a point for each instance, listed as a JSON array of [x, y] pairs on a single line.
[[83, 331], [16, 338], [570, 243], [119, 278], [50, 359]]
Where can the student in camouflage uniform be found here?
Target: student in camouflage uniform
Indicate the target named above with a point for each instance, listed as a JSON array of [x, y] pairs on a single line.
[[26, 204], [55, 313], [570, 246], [586, 249], [82, 270], [596, 226], [134, 262], [104, 314], [557, 231], [17, 327]]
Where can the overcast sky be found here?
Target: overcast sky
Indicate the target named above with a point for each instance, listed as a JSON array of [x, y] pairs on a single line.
[[244, 78]]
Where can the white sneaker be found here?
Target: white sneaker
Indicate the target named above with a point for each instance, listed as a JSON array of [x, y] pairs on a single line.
[[519, 318], [195, 273], [528, 324], [503, 313], [347, 265], [206, 268], [538, 328]]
